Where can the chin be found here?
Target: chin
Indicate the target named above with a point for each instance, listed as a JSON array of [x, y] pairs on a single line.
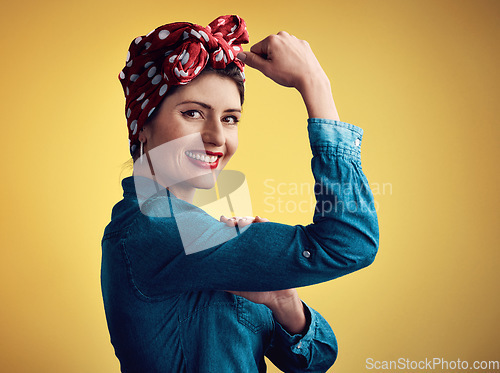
[[203, 182]]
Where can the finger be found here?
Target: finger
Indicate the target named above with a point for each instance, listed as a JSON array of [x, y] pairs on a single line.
[[225, 219], [243, 222], [230, 222], [253, 60], [258, 219], [262, 47], [283, 33]]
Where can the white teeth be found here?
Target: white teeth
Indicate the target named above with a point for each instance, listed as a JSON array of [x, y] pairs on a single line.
[[202, 157]]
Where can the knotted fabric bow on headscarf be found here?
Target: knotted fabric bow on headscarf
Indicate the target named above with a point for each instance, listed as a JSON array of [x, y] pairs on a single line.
[[174, 54]]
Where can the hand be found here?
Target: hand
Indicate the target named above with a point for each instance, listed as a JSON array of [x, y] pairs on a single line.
[[291, 62], [271, 299], [268, 298], [242, 221], [285, 59], [285, 304]]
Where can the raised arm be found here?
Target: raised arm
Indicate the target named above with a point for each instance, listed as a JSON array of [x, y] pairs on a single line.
[[269, 256], [290, 62]]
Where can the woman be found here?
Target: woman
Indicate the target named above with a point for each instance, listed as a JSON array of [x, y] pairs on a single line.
[[182, 291]]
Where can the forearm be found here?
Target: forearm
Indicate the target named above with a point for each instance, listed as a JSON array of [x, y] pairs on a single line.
[[314, 350], [291, 315], [317, 95]]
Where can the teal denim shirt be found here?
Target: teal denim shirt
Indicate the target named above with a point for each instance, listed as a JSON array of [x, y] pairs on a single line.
[[168, 312]]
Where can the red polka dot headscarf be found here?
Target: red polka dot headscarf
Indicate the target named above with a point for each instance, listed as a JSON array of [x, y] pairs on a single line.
[[175, 54]]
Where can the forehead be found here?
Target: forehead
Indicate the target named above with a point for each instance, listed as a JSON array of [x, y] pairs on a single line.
[[211, 88]]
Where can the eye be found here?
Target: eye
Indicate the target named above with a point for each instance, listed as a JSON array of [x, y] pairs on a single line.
[[194, 114], [231, 119]]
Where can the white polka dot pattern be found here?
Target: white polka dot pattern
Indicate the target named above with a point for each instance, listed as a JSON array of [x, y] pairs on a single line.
[[156, 79], [152, 72], [163, 34], [163, 89]]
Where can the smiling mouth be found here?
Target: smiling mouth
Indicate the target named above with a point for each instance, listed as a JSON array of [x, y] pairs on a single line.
[[204, 160], [202, 157]]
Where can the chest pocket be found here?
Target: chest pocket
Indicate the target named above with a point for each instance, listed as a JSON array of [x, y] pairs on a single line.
[[256, 317]]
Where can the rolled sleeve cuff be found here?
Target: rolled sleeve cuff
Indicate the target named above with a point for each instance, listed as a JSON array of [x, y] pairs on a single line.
[[299, 343], [338, 137]]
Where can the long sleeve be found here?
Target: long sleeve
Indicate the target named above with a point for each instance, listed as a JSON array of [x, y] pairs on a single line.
[[315, 351], [342, 238]]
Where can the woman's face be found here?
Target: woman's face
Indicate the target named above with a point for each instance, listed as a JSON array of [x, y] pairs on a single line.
[[194, 133]]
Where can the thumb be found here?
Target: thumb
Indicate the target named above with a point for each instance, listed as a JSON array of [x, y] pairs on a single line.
[[253, 60]]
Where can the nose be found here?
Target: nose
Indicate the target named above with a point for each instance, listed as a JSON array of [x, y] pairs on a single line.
[[213, 133]]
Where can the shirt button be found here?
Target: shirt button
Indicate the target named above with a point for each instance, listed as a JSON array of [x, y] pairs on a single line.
[[306, 254], [357, 142]]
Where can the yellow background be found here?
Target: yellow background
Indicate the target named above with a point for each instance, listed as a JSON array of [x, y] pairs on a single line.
[[420, 77]]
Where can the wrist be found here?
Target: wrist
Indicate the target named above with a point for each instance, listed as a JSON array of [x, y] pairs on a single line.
[[309, 82], [290, 314], [316, 92]]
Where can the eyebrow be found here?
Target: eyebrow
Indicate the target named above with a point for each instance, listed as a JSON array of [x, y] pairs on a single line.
[[206, 106]]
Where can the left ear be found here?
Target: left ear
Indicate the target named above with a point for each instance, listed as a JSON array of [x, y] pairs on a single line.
[[143, 135]]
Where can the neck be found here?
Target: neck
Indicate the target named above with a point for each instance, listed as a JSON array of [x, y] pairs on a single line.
[[183, 192], [179, 190]]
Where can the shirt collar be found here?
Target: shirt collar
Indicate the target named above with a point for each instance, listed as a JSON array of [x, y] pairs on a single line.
[[140, 186]]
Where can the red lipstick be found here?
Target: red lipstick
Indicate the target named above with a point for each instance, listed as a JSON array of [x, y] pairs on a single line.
[[202, 164], [218, 154]]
